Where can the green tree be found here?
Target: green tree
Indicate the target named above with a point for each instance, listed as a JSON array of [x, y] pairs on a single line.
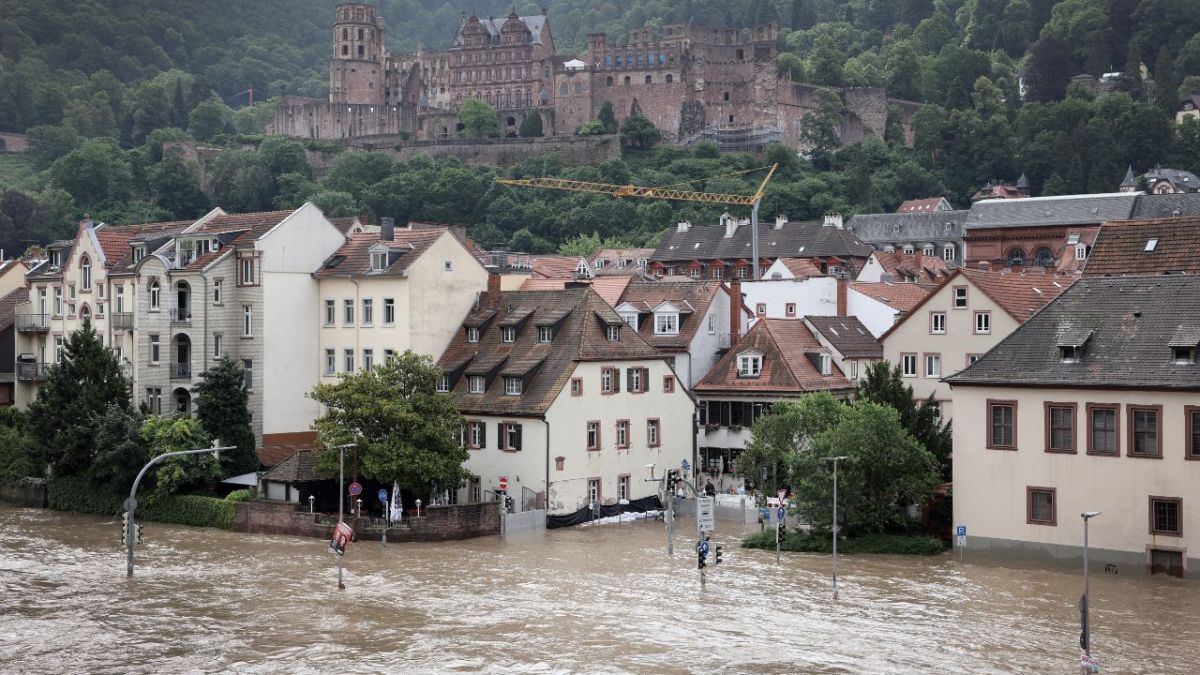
[[175, 185], [531, 126], [355, 172], [639, 133], [93, 118], [591, 128], [788, 429], [209, 119], [581, 246], [883, 384], [120, 453], [48, 143], [95, 174], [820, 129], [405, 430], [178, 475], [885, 470], [607, 118], [80, 385], [825, 64], [223, 409], [16, 449], [335, 204], [1049, 70], [479, 119]]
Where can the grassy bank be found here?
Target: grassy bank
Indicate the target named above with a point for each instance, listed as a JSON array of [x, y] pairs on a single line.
[[897, 544]]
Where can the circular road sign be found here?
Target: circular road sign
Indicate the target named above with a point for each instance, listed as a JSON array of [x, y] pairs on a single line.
[[355, 489], [503, 482]]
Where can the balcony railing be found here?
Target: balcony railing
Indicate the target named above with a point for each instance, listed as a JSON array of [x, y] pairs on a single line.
[[121, 320], [31, 372], [33, 323], [181, 371], [181, 315]]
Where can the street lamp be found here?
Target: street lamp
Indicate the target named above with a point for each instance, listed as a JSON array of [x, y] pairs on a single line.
[[131, 503], [341, 498], [1085, 634], [835, 461]]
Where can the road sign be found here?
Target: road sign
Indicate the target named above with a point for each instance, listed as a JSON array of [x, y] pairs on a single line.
[[961, 530], [341, 537], [704, 514], [355, 489], [684, 465], [503, 482], [704, 548], [780, 514], [962, 542], [782, 495], [1091, 664], [383, 495]]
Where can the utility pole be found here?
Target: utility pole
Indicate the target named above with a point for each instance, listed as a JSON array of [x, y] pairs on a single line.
[[131, 503], [835, 461], [1085, 637], [341, 499]]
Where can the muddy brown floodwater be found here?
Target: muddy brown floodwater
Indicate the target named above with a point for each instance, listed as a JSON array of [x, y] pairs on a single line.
[[592, 599]]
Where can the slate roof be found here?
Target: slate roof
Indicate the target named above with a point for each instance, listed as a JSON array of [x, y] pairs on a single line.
[[353, 258], [1041, 211], [924, 205], [792, 240], [609, 288], [693, 297], [788, 351], [1120, 248], [929, 226], [580, 336], [902, 297], [1131, 321], [1165, 206], [493, 25], [1178, 178], [847, 335], [299, 467]]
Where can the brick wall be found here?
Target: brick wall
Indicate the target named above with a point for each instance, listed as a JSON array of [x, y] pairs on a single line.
[[439, 523]]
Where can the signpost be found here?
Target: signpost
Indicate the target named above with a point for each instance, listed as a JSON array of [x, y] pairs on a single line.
[[355, 489], [704, 514], [383, 499], [780, 515], [341, 537], [960, 533]]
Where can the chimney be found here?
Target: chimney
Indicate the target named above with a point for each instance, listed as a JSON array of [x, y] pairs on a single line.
[[985, 266], [730, 223], [843, 288], [919, 260], [387, 229], [735, 311], [833, 220], [493, 291], [683, 226], [780, 221]]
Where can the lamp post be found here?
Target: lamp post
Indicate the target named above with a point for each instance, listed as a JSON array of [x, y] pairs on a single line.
[[341, 499], [835, 461], [1085, 632], [131, 503]]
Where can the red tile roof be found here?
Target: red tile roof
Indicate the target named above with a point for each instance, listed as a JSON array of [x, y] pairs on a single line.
[[913, 267], [693, 298], [261, 222], [8, 308], [353, 258], [922, 205], [803, 268], [789, 351], [610, 288], [272, 455], [555, 267], [114, 239], [1120, 247], [902, 297], [1021, 295]]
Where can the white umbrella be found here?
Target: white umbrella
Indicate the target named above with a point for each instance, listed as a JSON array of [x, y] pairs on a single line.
[[397, 509]]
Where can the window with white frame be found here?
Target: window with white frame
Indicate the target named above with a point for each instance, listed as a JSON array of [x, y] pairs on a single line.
[[512, 386], [85, 271], [948, 253], [218, 285], [443, 384], [155, 297], [348, 360], [937, 323], [218, 345], [368, 311], [908, 365], [388, 354], [368, 358], [928, 250], [155, 348], [330, 361], [510, 436], [472, 334], [933, 365], [983, 323], [389, 311], [652, 432], [348, 312], [636, 380], [623, 488], [508, 334], [631, 319], [826, 364], [246, 271], [330, 312], [666, 323], [960, 297], [247, 320], [475, 384], [622, 433], [378, 261], [120, 299], [749, 364], [614, 333], [545, 334]]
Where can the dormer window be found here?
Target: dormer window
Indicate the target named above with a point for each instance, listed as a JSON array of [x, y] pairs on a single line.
[[666, 323], [749, 364], [599, 263], [475, 384], [508, 334], [472, 334], [1081, 251], [631, 318], [1184, 355], [379, 261], [512, 386], [545, 334], [1070, 353], [826, 364], [139, 252], [443, 384], [614, 333], [908, 250], [620, 263], [1071, 344], [928, 250]]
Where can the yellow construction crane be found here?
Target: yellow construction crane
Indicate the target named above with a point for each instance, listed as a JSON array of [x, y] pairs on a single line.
[[668, 192]]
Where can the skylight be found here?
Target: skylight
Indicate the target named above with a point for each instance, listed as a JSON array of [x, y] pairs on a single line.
[[1151, 244]]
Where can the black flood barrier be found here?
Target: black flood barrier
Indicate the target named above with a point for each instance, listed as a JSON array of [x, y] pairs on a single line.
[[586, 514]]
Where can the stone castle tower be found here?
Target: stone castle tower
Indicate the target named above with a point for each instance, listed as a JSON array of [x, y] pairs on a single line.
[[357, 65]]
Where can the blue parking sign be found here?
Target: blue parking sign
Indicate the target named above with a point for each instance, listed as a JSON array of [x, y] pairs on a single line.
[[961, 531], [383, 495]]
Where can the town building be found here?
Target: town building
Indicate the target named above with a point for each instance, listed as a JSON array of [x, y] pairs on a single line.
[[1189, 108], [925, 205], [933, 234], [897, 266], [609, 288], [776, 360], [1091, 405], [1160, 181], [621, 261], [564, 400], [879, 305], [1164, 206], [724, 251], [384, 293], [852, 346], [1150, 246], [998, 189], [960, 321], [8, 322], [692, 323], [1035, 231]]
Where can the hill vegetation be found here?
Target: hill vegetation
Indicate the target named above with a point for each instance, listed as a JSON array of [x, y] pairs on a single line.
[[101, 85]]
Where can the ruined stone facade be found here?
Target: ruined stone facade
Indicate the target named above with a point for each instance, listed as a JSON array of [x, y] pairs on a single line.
[[693, 83]]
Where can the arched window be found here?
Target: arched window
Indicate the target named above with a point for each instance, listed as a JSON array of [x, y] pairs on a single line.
[[648, 79], [562, 89], [85, 271], [1043, 257], [670, 78], [155, 294], [85, 313], [1016, 257], [345, 33]]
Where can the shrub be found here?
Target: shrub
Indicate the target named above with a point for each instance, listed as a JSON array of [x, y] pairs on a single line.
[[76, 493], [193, 510], [892, 544], [240, 495]]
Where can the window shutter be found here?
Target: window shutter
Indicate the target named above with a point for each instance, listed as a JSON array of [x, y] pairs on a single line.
[[500, 433], [629, 379], [482, 434], [517, 437], [645, 380], [616, 380]]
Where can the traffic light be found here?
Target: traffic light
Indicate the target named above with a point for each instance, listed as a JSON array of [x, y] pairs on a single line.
[[508, 504], [125, 528], [137, 533], [700, 564], [717, 559]]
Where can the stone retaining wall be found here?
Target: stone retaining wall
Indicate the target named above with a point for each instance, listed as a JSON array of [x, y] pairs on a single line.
[[29, 495], [438, 523]]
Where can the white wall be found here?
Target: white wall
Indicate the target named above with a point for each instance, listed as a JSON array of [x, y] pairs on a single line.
[[816, 297], [705, 349], [874, 315]]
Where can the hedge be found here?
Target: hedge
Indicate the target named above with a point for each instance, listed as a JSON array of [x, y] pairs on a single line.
[[240, 495], [77, 494], [896, 544]]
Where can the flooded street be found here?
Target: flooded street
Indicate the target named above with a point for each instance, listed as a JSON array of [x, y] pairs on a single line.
[[601, 599]]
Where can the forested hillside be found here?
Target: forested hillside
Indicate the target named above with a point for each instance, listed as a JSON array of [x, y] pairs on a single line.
[[100, 85]]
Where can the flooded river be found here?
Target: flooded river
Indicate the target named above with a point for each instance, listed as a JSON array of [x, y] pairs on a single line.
[[599, 599]]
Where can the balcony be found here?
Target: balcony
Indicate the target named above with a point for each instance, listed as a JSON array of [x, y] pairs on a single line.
[[181, 371], [33, 323], [31, 372], [181, 316], [121, 320]]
